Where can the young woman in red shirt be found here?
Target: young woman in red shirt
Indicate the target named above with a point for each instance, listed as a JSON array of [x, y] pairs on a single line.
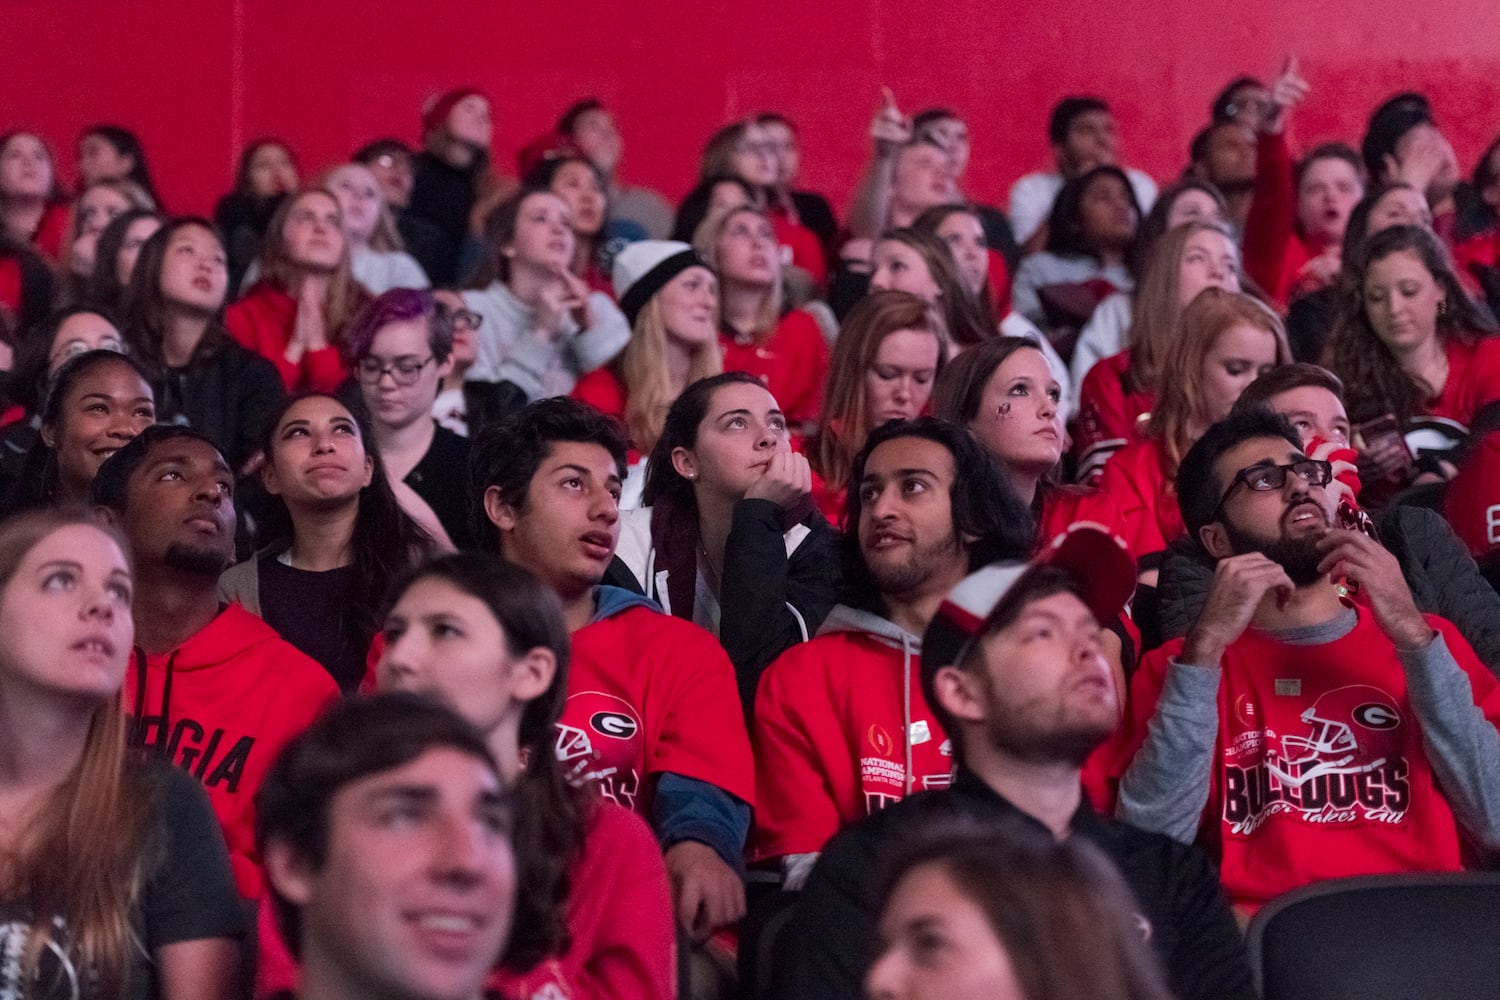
[[33, 211]]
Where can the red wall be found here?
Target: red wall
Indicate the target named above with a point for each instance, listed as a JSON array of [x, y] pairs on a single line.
[[197, 80]]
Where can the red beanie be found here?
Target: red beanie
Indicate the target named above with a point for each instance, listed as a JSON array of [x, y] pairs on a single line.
[[550, 145], [1472, 504], [435, 112]]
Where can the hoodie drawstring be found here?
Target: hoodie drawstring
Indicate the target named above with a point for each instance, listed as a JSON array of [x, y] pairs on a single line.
[[165, 732], [906, 706], [138, 731]]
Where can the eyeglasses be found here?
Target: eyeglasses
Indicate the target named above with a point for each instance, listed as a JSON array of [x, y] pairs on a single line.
[[1264, 478], [403, 372], [466, 317]]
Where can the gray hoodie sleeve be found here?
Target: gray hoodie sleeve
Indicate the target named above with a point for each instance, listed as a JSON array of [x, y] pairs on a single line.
[[1462, 745], [1165, 789], [598, 344]]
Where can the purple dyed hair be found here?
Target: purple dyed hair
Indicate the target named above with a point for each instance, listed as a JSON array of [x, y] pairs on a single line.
[[396, 306]]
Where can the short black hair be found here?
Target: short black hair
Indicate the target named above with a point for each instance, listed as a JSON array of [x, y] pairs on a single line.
[[984, 505], [1198, 489], [1068, 109], [1066, 235], [372, 151], [1223, 110], [569, 120], [1395, 117], [113, 480], [508, 453], [353, 739]]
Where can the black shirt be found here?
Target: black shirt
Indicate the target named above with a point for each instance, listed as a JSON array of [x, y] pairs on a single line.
[[308, 608], [830, 943], [442, 479]]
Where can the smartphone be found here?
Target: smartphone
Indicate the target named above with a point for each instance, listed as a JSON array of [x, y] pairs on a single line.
[[1383, 433]]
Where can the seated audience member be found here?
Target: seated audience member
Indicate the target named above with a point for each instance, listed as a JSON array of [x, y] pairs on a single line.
[[451, 173], [1011, 664], [807, 208], [1107, 332], [114, 261], [948, 129], [1225, 341], [390, 160], [590, 127], [983, 270], [745, 150], [385, 826], [914, 261], [840, 729], [116, 880], [907, 174], [1090, 237], [211, 687], [27, 289], [1083, 137], [1412, 347], [670, 297], [1311, 317], [33, 210], [267, 174], [450, 409], [63, 335], [1019, 915], [758, 332], [174, 324], [576, 180], [98, 205], [728, 537], [297, 313], [401, 346], [1305, 738], [377, 257], [542, 327], [96, 403], [888, 354], [594, 916], [1403, 143], [652, 716], [1472, 505], [1118, 394], [113, 153], [712, 197], [1223, 154], [1478, 256], [333, 538]]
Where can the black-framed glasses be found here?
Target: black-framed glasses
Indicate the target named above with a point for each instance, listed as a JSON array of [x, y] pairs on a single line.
[[404, 371], [1264, 478]]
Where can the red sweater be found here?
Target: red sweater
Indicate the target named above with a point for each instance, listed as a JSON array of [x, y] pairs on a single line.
[[792, 362], [1319, 768], [1109, 412], [619, 917], [1473, 380], [263, 321], [221, 706], [1136, 479]]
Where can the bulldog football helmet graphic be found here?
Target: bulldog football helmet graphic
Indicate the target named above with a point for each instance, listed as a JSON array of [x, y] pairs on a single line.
[[600, 739], [1351, 730]]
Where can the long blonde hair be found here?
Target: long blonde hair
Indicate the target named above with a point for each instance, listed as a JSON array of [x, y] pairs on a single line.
[[82, 856], [1208, 317], [648, 384], [345, 295], [706, 241], [1155, 307]]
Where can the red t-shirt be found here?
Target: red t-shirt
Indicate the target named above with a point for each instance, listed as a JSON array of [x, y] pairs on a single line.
[[603, 390], [1063, 506], [792, 362], [649, 693], [1109, 415], [1319, 768], [238, 694], [807, 252], [1136, 478], [263, 321]]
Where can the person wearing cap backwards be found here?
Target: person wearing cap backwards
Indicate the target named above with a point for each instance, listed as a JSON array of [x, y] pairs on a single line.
[[1012, 664], [1313, 723], [840, 729], [456, 134]]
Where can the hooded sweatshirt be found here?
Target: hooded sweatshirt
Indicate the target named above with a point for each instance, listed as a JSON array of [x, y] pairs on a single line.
[[841, 731], [221, 706]]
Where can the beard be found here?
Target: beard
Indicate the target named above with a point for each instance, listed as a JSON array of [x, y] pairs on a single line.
[[194, 559], [925, 560], [1040, 733], [1298, 556]]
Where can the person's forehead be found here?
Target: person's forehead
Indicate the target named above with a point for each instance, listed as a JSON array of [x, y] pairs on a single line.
[[1256, 451], [447, 771], [907, 453], [1063, 605], [186, 450], [588, 454], [1313, 398]]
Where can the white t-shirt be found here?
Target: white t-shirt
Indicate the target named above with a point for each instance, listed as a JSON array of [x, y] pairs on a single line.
[[1032, 196]]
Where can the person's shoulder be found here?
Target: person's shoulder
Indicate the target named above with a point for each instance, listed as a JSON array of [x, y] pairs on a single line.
[[254, 639], [447, 444], [612, 831], [603, 390], [1036, 183]]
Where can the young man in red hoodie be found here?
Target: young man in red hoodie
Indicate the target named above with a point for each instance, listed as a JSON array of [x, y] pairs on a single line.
[[841, 728], [653, 714], [211, 686]]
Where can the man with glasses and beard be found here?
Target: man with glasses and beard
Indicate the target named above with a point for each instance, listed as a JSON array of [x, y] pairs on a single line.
[[1313, 723]]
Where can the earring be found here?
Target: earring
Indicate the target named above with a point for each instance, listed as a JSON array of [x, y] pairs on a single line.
[[1442, 307]]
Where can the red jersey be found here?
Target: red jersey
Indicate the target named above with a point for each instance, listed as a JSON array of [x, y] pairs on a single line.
[[792, 362], [1063, 506], [221, 706], [841, 730], [1319, 768], [807, 252], [1136, 478], [650, 693], [263, 321], [619, 916], [603, 390], [1110, 409]]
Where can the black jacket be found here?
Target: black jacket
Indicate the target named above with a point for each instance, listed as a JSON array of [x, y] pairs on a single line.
[[443, 195], [227, 392], [830, 943]]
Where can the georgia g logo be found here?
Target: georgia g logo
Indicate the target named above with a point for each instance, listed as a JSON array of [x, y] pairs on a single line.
[[616, 725]]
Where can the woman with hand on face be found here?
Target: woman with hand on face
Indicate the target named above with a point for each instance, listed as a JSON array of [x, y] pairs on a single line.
[[729, 537], [114, 260], [116, 880], [267, 175], [542, 327], [888, 355], [33, 211], [377, 257], [332, 540], [297, 313], [173, 323], [401, 346], [97, 403]]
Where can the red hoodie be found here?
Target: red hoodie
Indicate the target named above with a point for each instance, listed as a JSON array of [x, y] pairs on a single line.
[[263, 320], [221, 706], [792, 362]]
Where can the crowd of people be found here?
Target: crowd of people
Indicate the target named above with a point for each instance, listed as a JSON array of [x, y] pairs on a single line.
[[427, 579]]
